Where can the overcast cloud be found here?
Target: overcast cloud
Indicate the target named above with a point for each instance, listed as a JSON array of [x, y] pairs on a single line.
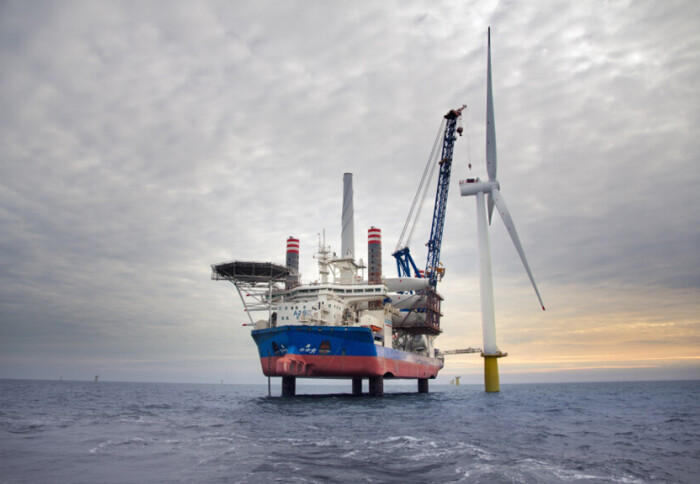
[[141, 142]]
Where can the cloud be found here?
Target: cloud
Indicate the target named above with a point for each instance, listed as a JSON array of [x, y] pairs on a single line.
[[139, 145]]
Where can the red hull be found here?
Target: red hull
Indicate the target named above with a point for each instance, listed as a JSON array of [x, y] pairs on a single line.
[[310, 366]]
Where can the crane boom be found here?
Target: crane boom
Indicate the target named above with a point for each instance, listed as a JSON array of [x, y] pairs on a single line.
[[432, 268], [430, 300], [404, 260]]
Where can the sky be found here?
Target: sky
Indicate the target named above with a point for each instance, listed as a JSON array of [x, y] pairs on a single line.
[[142, 142]]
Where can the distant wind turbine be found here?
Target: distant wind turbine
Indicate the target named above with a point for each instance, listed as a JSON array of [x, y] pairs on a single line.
[[491, 189]]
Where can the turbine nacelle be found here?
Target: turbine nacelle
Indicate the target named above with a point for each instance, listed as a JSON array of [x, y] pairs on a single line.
[[472, 186]]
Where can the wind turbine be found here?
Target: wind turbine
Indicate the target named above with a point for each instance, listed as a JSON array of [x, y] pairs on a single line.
[[491, 189]]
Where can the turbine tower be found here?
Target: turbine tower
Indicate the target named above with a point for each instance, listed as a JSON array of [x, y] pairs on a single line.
[[491, 190]]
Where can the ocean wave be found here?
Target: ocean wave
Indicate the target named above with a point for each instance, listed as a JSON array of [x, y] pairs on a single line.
[[144, 433]]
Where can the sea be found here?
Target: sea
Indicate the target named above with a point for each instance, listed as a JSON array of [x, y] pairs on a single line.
[[109, 432]]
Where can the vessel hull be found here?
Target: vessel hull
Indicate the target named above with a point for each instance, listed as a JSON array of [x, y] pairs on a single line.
[[336, 352]]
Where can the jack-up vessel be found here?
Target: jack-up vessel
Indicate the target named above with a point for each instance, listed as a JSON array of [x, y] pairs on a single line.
[[343, 325]]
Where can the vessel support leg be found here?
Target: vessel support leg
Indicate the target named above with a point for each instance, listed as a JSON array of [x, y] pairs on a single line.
[[289, 386], [357, 386], [422, 385], [376, 386]]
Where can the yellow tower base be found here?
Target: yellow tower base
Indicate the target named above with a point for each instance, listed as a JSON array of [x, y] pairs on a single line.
[[491, 380]]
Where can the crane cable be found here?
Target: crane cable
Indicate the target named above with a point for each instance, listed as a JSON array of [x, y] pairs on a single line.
[[433, 164], [469, 141], [422, 187]]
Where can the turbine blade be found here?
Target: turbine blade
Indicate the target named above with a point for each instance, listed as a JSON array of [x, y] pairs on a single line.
[[508, 221], [491, 162], [490, 203]]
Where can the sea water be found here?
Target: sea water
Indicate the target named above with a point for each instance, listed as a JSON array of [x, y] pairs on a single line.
[[87, 432]]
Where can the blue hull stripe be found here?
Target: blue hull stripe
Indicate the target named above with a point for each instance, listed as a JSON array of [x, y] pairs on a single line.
[[327, 340]]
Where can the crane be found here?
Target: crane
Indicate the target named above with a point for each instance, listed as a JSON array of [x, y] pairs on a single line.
[[433, 268]]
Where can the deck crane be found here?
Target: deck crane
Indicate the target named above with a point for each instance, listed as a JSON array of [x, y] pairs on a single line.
[[404, 261]]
